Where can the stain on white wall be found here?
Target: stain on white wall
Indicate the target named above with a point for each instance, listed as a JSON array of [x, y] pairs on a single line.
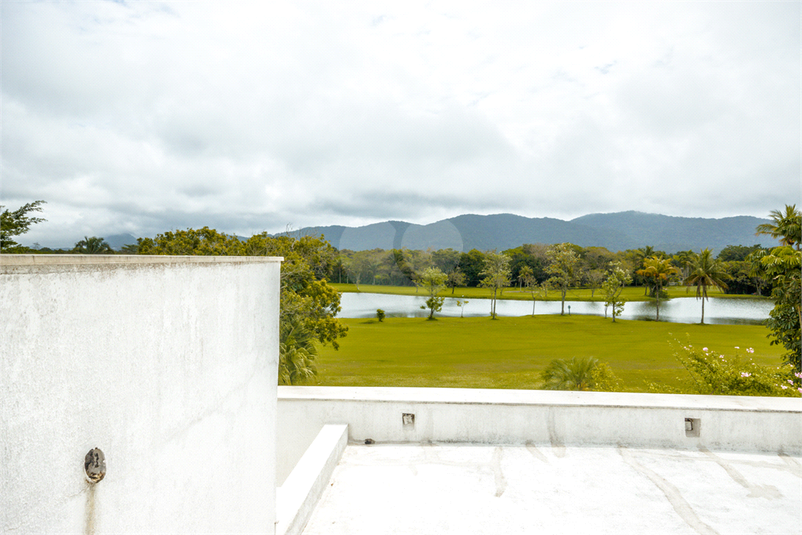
[[167, 364]]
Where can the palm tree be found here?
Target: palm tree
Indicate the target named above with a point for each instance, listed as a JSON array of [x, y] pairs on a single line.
[[297, 352], [659, 271], [786, 226], [93, 245], [642, 254], [574, 374], [706, 271]]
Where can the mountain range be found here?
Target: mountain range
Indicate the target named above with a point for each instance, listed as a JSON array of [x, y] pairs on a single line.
[[616, 231]]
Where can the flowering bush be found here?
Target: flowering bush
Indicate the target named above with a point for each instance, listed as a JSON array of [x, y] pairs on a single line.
[[714, 373]]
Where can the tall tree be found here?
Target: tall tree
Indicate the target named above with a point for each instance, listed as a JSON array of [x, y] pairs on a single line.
[[472, 263], [455, 278], [17, 223], [531, 284], [785, 226], [613, 288], [92, 245], [563, 262], [783, 267], [706, 272], [658, 271], [595, 278], [432, 280], [496, 275]]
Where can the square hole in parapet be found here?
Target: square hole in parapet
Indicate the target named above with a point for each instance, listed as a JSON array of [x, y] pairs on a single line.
[[408, 418], [692, 427]]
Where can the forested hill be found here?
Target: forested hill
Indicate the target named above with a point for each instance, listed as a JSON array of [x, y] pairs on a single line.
[[616, 232]]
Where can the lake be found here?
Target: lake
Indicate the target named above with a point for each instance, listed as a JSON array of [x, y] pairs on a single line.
[[678, 310]]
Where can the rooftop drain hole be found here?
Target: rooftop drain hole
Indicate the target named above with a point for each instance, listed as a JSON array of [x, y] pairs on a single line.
[[95, 465], [692, 427], [408, 419]]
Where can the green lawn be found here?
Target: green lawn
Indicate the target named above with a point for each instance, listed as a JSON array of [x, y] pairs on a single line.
[[631, 293], [511, 352]]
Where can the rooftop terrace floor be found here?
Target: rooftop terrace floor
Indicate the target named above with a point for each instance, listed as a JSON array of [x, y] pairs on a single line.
[[472, 489]]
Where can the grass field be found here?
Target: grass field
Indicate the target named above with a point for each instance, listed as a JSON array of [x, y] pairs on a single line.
[[512, 351], [631, 293]]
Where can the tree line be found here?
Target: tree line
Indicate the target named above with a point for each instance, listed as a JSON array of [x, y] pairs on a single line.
[[309, 305]]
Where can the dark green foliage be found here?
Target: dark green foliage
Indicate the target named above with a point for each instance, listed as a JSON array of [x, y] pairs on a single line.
[[743, 281], [93, 245], [736, 253], [380, 314], [583, 373], [783, 267], [17, 223], [472, 263]]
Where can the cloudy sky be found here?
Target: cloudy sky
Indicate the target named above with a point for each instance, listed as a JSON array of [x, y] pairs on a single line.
[[142, 117]]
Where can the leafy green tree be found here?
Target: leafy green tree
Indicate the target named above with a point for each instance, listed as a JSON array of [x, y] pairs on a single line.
[[706, 272], [743, 280], [595, 278], [583, 373], [527, 258], [402, 259], [613, 288], [659, 271], [472, 263], [563, 262], [92, 245], [17, 223], [455, 278], [198, 242], [530, 281], [496, 275], [447, 260], [432, 280], [380, 315], [736, 253]]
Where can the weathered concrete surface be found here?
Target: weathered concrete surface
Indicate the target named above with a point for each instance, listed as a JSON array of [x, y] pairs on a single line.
[[467, 489], [486, 416], [167, 364]]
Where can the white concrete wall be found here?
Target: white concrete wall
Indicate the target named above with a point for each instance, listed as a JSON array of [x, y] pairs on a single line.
[[539, 417], [297, 497], [167, 364]]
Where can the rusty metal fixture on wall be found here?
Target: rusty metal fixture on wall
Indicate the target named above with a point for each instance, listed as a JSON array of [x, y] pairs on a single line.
[[95, 465]]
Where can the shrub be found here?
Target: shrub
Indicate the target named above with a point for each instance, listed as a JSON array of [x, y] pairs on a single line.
[[380, 314], [584, 373], [710, 372]]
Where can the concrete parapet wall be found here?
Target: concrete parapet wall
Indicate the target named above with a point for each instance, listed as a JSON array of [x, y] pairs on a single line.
[[297, 497], [540, 417], [167, 364]]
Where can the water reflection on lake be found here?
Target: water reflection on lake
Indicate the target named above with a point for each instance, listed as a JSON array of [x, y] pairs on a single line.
[[678, 310]]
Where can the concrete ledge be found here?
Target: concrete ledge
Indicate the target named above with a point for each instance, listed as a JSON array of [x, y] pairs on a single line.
[[297, 497], [49, 263], [445, 415]]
